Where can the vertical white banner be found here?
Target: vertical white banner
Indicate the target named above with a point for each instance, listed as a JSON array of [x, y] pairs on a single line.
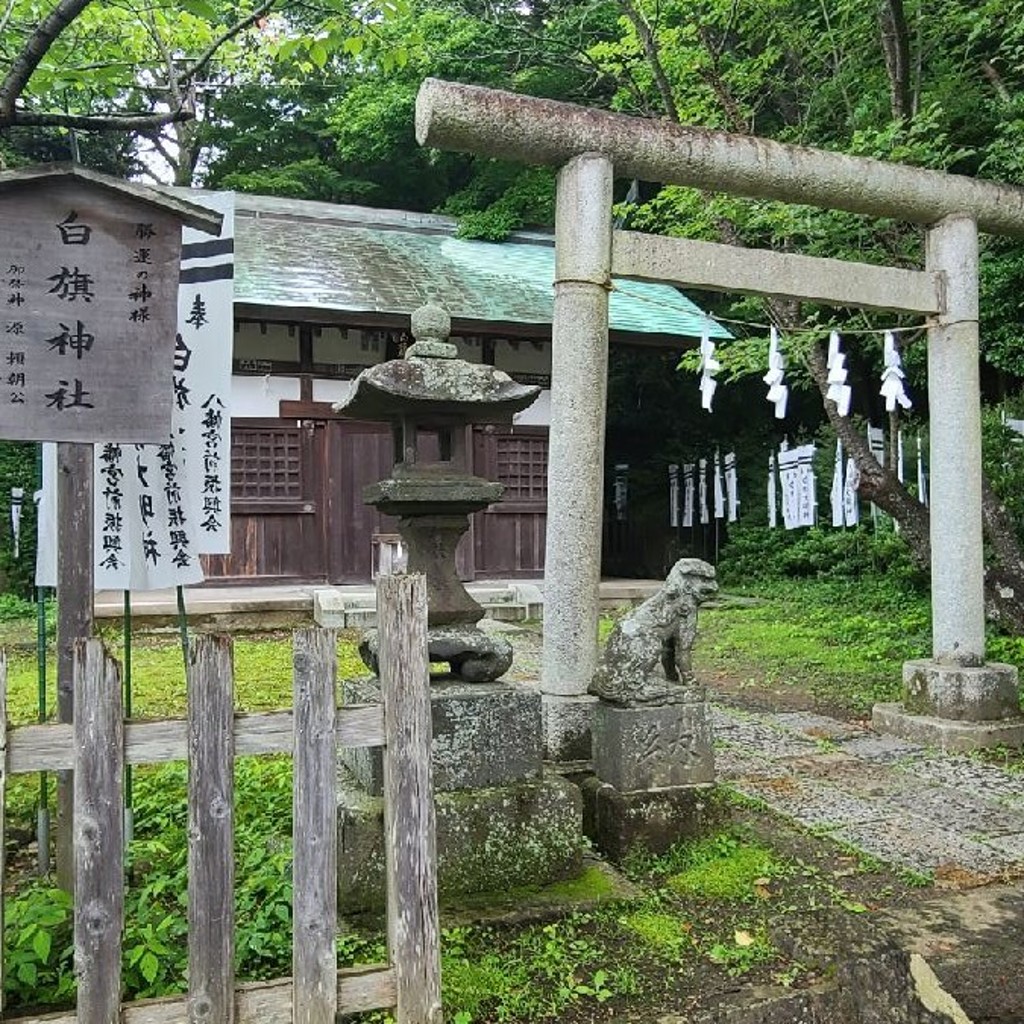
[[202, 376], [718, 491], [46, 520], [732, 489], [922, 479], [836, 494], [851, 500], [702, 488], [621, 491], [673, 496]]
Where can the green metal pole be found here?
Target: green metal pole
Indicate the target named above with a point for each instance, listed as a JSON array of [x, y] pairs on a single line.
[[43, 810], [183, 624], [129, 812]]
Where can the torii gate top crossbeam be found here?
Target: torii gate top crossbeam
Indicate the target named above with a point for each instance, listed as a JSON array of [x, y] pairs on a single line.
[[493, 123]]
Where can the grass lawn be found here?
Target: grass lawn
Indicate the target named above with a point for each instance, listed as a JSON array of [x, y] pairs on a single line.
[[844, 643]]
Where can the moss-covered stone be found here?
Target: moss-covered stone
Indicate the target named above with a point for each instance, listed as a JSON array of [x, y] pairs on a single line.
[[487, 840], [617, 823]]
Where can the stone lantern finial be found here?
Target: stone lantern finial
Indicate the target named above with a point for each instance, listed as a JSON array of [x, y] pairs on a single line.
[[431, 326]]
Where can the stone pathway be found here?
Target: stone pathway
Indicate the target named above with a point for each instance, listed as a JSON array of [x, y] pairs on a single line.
[[911, 807]]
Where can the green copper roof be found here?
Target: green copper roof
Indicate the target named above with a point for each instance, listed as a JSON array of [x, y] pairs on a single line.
[[290, 253]]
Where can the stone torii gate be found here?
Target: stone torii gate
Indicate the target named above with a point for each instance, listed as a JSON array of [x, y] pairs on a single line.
[[955, 699]]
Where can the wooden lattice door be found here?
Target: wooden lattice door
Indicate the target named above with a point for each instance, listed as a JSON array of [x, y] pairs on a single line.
[[509, 536], [277, 527]]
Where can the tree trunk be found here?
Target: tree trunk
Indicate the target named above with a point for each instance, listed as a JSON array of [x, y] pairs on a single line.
[[896, 46], [1004, 577]]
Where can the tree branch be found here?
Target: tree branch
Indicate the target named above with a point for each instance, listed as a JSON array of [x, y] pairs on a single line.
[[35, 49], [229, 33], [896, 47], [650, 45], [96, 122]]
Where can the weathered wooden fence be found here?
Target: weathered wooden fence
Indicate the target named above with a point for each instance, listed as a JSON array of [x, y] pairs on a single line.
[[100, 743]]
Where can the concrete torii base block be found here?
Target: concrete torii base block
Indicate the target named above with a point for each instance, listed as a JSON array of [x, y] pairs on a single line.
[[955, 707], [947, 734]]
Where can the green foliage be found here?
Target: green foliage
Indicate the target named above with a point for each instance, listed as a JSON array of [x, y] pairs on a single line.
[[1002, 451], [502, 199], [17, 469], [756, 553], [39, 922], [720, 867], [744, 952], [665, 933], [38, 947], [537, 973]]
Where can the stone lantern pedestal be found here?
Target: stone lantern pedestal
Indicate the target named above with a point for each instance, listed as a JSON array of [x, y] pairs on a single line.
[[502, 821]]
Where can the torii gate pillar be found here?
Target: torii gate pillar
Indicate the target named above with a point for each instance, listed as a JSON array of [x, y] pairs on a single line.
[[579, 389], [956, 700]]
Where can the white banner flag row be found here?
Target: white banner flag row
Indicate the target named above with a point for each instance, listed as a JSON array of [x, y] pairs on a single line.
[[157, 508]]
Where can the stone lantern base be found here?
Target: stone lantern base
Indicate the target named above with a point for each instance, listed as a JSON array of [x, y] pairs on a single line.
[[502, 821], [955, 707]]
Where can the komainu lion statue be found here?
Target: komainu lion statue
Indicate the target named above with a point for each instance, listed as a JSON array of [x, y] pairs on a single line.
[[647, 657]]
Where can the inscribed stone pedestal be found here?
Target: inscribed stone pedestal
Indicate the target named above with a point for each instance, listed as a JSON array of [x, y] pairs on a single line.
[[484, 735], [654, 746]]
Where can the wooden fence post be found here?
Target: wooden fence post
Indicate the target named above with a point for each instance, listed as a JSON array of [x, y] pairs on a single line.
[[74, 618], [98, 832], [211, 816], [315, 829], [412, 919]]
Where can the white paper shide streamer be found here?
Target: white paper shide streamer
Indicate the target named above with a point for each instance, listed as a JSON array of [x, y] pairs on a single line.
[[778, 392], [892, 389], [709, 366], [838, 390]]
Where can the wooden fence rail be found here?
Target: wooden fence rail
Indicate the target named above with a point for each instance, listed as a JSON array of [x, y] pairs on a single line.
[[99, 745]]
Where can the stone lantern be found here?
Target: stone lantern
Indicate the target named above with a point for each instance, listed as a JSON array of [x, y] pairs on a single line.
[[430, 399]]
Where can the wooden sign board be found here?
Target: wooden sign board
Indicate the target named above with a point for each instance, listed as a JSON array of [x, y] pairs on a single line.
[[88, 314]]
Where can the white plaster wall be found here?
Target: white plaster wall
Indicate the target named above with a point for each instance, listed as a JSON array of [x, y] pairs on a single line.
[[536, 415], [347, 345], [259, 396], [272, 341], [332, 390]]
